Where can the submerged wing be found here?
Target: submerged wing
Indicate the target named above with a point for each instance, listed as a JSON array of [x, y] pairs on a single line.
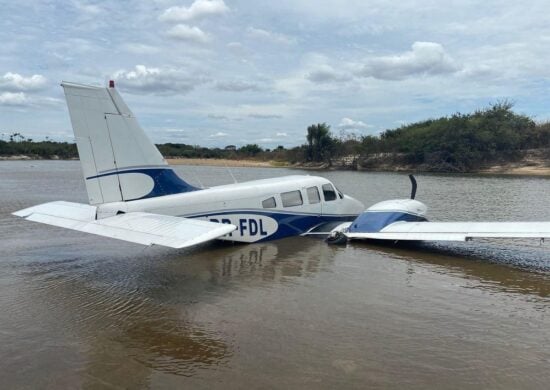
[[456, 231], [139, 228]]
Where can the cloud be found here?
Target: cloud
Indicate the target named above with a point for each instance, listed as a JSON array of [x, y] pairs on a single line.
[[217, 116], [90, 9], [349, 124], [13, 99], [15, 82], [270, 36], [236, 86], [425, 58], [219, 134], [157, 80], [264, 116], [199, 9], [172, 133], [140, 48], [327, 74], [184, 32], [237, 48], [282, 134]]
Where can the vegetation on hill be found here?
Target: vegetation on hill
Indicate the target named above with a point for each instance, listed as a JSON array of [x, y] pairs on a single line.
[[460, 143]]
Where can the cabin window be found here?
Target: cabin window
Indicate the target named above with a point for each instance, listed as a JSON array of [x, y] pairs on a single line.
[[292, 198], [313, 195], [328, 192], [269, 203]]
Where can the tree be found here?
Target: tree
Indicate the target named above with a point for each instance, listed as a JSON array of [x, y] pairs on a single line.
[[320, 145], [250, 150]]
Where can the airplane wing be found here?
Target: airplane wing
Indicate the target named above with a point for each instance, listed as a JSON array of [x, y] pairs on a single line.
[[137, 227], [455, 231]]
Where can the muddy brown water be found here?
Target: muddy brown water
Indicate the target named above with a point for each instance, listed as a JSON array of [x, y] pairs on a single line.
[[78, 311]]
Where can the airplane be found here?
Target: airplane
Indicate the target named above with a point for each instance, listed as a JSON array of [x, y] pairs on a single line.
[[406, 220], [135, 196]]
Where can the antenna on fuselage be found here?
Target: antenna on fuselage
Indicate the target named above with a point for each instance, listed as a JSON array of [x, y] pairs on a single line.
[[413, 183], [231, 173], [197, 177]]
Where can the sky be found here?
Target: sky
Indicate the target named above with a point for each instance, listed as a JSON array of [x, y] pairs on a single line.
[[221, 72]]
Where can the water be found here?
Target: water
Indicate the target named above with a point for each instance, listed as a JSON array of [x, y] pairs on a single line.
[[79, 311]]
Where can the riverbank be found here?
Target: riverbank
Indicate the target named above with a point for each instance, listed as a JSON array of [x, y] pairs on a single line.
[[219, 162], [529, 166]]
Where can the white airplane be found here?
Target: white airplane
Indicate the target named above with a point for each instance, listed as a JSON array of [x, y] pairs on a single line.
[[135, 195], [405, 220]]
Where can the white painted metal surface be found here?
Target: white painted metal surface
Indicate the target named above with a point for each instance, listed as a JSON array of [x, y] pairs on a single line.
[[456, 231], [109, 138], [139, 228], [410, 206]]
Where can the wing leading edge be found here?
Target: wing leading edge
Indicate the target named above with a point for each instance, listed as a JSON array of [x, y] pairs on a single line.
[[455, 231], [139, 228]]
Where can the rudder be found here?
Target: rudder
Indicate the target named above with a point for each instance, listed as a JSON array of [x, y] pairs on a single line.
[[118, 160]]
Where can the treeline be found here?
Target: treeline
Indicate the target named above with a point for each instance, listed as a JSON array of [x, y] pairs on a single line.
[[457, 143], [18, 144], [460, 143]]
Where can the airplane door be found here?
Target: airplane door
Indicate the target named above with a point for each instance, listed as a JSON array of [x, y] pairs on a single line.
[[312, 200]]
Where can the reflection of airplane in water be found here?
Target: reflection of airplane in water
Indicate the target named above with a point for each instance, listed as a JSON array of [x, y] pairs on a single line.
[[483, 263], [154, 314]]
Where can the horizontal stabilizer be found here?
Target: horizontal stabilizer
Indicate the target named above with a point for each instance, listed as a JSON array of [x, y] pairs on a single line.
[[456, 231], [139, 228]]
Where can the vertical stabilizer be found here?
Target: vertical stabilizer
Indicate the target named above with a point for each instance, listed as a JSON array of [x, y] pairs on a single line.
[[118, 160]]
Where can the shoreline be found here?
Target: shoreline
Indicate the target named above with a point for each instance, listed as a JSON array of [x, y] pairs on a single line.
[[512, 169], [221, 162]]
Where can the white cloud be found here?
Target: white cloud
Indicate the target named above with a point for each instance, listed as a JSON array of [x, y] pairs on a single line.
[[157, 80], [425, 58], [140, 48], [327, 74], [90, 9], [187, 33], [270, 36], [13, 99], [219, 134], [15, 82], [199, 8], [282, 134], [349, 124]]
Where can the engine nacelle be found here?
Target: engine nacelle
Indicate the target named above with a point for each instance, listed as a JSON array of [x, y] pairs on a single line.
[[382, 214]]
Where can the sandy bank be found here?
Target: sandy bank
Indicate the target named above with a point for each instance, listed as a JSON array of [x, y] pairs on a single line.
[[521, 170], [224, 162]]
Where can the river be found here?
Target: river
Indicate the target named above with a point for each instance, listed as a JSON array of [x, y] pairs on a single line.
[[80, 311]]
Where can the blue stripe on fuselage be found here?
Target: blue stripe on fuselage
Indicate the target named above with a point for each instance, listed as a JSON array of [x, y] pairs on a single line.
[[289, 224], [166, 182]]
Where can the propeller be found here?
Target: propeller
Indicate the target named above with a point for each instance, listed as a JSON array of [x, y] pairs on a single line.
[[413, 183]]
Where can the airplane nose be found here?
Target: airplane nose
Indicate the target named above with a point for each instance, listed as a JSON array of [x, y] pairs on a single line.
[[353, 206]]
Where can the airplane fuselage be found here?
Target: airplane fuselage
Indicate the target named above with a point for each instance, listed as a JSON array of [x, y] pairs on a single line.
[[261, 209]]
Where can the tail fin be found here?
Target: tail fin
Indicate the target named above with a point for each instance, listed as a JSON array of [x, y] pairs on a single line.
[[118, 160]]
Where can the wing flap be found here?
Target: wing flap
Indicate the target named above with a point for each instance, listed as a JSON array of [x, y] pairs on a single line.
[[138, 227], [457, 231]]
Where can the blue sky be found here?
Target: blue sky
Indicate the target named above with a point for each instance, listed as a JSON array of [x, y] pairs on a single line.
[[219, 72]]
